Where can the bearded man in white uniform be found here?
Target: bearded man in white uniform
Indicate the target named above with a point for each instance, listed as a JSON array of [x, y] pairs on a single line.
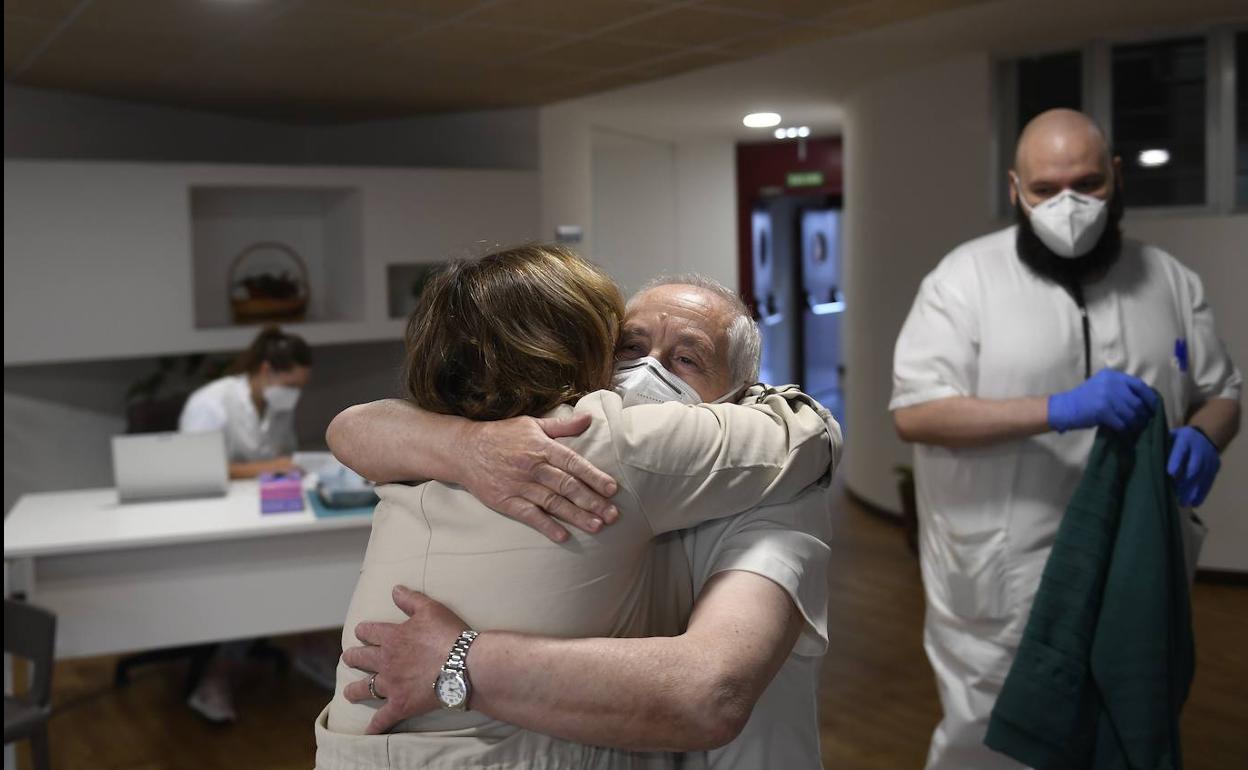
[[737, 689], [1019, 345]]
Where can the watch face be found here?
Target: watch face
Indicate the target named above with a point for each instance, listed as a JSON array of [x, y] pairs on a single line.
[[451, 689]]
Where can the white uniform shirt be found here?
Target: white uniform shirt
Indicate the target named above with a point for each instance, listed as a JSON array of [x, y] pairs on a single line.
[[226, 405], [788, 544], [984, 325]]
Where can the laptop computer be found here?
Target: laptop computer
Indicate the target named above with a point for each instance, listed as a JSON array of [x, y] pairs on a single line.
[[164, 466]]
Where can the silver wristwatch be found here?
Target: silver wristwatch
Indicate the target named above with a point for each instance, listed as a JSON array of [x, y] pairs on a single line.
[[452, 687]]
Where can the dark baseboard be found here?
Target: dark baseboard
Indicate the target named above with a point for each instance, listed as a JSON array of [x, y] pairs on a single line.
[[908, 523], [894, 517], [1226, 577]]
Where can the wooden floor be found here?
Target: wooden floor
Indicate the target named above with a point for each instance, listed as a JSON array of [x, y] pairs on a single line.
[[879, 703], [878, 699]]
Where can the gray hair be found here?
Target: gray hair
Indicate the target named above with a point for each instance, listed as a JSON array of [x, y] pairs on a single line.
[[745, 342]]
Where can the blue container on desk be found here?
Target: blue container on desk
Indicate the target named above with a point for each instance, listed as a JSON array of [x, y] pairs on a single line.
[[323, 511], [342, 492]]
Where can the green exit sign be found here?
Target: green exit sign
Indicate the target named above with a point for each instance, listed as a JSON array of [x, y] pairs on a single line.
[[804, 179]]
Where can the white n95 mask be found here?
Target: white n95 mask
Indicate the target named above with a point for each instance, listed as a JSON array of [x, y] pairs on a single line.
[[281, 398], [1069, 223], [645, 381]]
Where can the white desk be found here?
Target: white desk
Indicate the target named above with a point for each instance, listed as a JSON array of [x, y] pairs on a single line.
[[161, 574]]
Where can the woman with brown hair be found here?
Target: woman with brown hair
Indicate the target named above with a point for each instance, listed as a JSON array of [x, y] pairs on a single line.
[[532, 331], [254, 407]]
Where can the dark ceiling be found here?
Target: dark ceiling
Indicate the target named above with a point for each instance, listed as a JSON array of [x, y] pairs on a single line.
[[336, 60]]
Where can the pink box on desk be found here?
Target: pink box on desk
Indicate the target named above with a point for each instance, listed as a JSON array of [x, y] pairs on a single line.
[[281, 492]]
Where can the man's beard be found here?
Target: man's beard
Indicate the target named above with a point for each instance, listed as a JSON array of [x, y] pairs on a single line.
[[1070, 271]]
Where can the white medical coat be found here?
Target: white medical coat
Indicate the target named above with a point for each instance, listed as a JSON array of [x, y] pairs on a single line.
[[984, 325], [225, 405]]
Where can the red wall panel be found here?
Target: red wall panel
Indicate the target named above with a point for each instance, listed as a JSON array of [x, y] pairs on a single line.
[[763, 169]]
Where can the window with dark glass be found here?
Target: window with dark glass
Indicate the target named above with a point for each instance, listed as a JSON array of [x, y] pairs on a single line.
[[1028, 87], [1159, 121], [1241, 118], [1048, 82]]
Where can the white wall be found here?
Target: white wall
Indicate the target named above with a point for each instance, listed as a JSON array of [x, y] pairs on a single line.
[[918, 183], [227, 220], [565, 163], [57, 423], [706, 209], [114, 241], [647, 206], [41, 123], [633, 198], [58, 417], [484, 139], [916, 177], [1217, 249]]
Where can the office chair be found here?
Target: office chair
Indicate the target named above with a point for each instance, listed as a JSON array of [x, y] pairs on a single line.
[[160, 415], [30, 632], [199, 656]]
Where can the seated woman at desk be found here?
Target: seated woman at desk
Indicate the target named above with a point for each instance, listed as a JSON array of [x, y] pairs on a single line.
[[254, 405], [533, 330]]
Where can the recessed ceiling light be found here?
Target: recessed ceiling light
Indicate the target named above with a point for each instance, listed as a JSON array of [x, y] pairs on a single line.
[[1154, 158], [793, 132], [761, 120]]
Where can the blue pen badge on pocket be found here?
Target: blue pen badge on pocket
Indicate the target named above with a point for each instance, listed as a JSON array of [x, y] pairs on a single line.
[[1180, 353]]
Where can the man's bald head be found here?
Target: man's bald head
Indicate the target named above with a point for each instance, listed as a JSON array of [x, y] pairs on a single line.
[[1062, 149], [1060, 132]]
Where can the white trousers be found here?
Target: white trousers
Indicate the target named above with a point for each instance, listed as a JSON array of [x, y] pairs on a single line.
[[970, 667], [971, 659]]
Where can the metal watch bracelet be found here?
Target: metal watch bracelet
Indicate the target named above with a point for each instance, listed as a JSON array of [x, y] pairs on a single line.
[[458, 658]]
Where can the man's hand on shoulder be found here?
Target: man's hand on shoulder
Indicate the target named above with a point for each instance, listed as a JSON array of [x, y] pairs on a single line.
[[517, 468]]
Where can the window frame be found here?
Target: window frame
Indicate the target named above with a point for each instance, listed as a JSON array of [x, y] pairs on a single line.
[[1005, 116], [1225, 64], [1097, 96]]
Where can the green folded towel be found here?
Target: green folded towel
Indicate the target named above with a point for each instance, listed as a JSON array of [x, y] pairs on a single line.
[[1106, 659]]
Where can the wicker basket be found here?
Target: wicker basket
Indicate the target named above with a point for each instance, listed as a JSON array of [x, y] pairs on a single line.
[[255, 309]]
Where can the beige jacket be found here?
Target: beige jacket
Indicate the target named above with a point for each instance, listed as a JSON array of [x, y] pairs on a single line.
[[677, 466]]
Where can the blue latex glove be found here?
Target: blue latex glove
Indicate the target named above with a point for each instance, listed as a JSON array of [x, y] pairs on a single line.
[[1110, 398], [1193, 464]]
